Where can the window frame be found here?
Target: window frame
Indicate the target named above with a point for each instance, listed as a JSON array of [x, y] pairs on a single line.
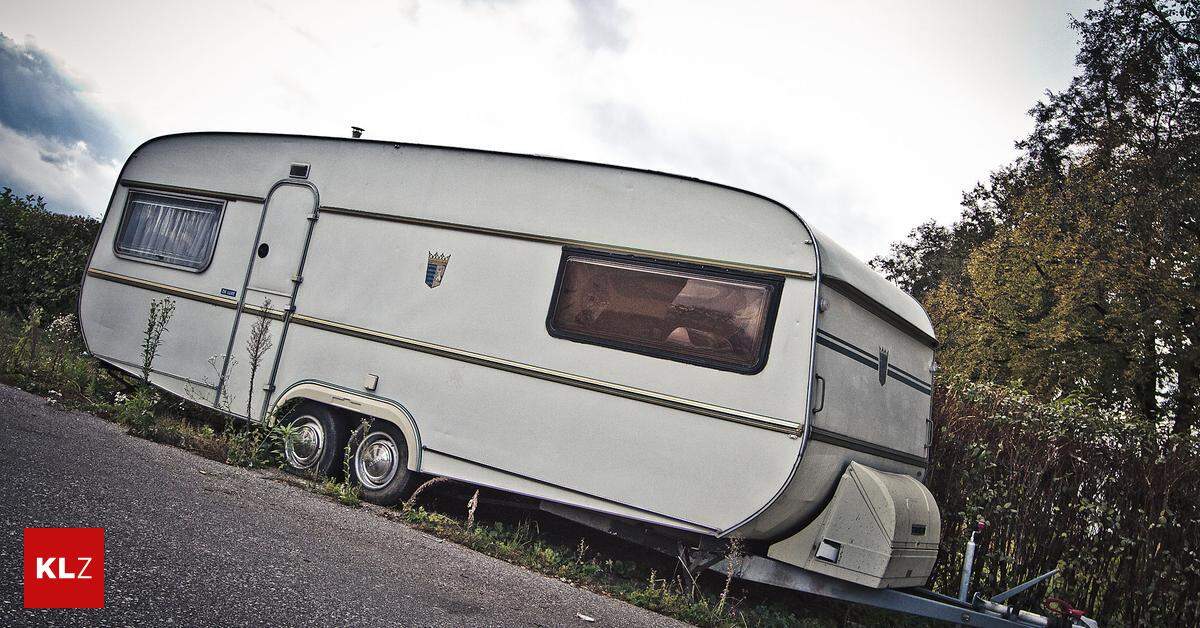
[[713, 272], [125, 212]]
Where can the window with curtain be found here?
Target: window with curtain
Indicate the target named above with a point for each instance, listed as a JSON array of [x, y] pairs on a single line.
[[169, 229], [712, 319]]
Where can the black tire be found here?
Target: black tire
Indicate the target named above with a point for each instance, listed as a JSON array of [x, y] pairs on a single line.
[[379, 463], [318, 444]]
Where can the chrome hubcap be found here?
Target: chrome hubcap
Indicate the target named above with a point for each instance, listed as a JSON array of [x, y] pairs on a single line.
[[304, 448], [377, 460]]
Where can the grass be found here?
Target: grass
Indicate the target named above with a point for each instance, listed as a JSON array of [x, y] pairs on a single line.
[[633, 581], [45, 357]]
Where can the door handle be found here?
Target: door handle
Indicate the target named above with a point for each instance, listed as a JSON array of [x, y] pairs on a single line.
[[821, 381]]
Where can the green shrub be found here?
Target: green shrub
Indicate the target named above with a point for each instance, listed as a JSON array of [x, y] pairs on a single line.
[[136, 411], [255, 445], [42, 255], [1110, 499], [347, 493]]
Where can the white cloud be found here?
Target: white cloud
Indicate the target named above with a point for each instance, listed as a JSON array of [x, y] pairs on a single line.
[[68, 177], [602, 24], [867, 118]]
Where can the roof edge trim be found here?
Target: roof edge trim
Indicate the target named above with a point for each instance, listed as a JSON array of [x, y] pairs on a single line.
[[864, 300]]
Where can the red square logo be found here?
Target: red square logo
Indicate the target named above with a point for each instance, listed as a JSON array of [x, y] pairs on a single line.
[[64, 567]]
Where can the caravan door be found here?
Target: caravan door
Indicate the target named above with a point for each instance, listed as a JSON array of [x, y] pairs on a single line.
[[274, 274]]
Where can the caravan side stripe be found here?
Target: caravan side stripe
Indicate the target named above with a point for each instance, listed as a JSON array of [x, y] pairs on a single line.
[[560, 377], [860, 355], [857, 444], [184, 293], [686, 405], [570, 379], [501, 233]]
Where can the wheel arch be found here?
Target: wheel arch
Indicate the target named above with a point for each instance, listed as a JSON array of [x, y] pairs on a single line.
[[359, 403]]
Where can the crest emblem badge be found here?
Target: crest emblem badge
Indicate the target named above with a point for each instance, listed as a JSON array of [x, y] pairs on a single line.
[[436, 269], [883, 364]]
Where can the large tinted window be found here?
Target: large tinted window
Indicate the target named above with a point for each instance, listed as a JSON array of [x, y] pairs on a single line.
[[169, 229], [706, 318]]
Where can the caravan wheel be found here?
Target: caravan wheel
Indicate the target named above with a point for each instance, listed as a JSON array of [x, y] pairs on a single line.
[[317, 440], [380, 463]]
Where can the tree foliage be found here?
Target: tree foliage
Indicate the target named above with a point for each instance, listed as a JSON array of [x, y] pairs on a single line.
[[42, 255], [1075, 269]]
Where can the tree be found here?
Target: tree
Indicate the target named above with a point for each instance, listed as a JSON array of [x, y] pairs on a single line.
[[1075, 269], [934, 253]]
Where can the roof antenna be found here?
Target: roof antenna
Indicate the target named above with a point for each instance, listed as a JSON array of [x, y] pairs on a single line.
[[356, 131]]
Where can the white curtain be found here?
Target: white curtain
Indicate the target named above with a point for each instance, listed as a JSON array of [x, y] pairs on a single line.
[[173, 230]]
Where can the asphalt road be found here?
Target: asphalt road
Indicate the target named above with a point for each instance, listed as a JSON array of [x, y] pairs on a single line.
[[191, 542]]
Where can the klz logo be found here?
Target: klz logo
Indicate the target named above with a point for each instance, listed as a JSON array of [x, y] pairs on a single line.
[[64, 567]]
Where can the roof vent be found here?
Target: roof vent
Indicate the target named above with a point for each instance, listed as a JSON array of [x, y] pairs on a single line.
[[356, 131]]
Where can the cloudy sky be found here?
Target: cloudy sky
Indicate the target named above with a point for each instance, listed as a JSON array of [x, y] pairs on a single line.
[[865, 117]]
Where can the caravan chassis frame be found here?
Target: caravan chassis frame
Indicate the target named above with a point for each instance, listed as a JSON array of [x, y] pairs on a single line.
[[916, 601], [697, 553]]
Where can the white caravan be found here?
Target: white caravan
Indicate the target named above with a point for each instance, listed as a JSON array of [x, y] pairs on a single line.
[[625, 346]]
